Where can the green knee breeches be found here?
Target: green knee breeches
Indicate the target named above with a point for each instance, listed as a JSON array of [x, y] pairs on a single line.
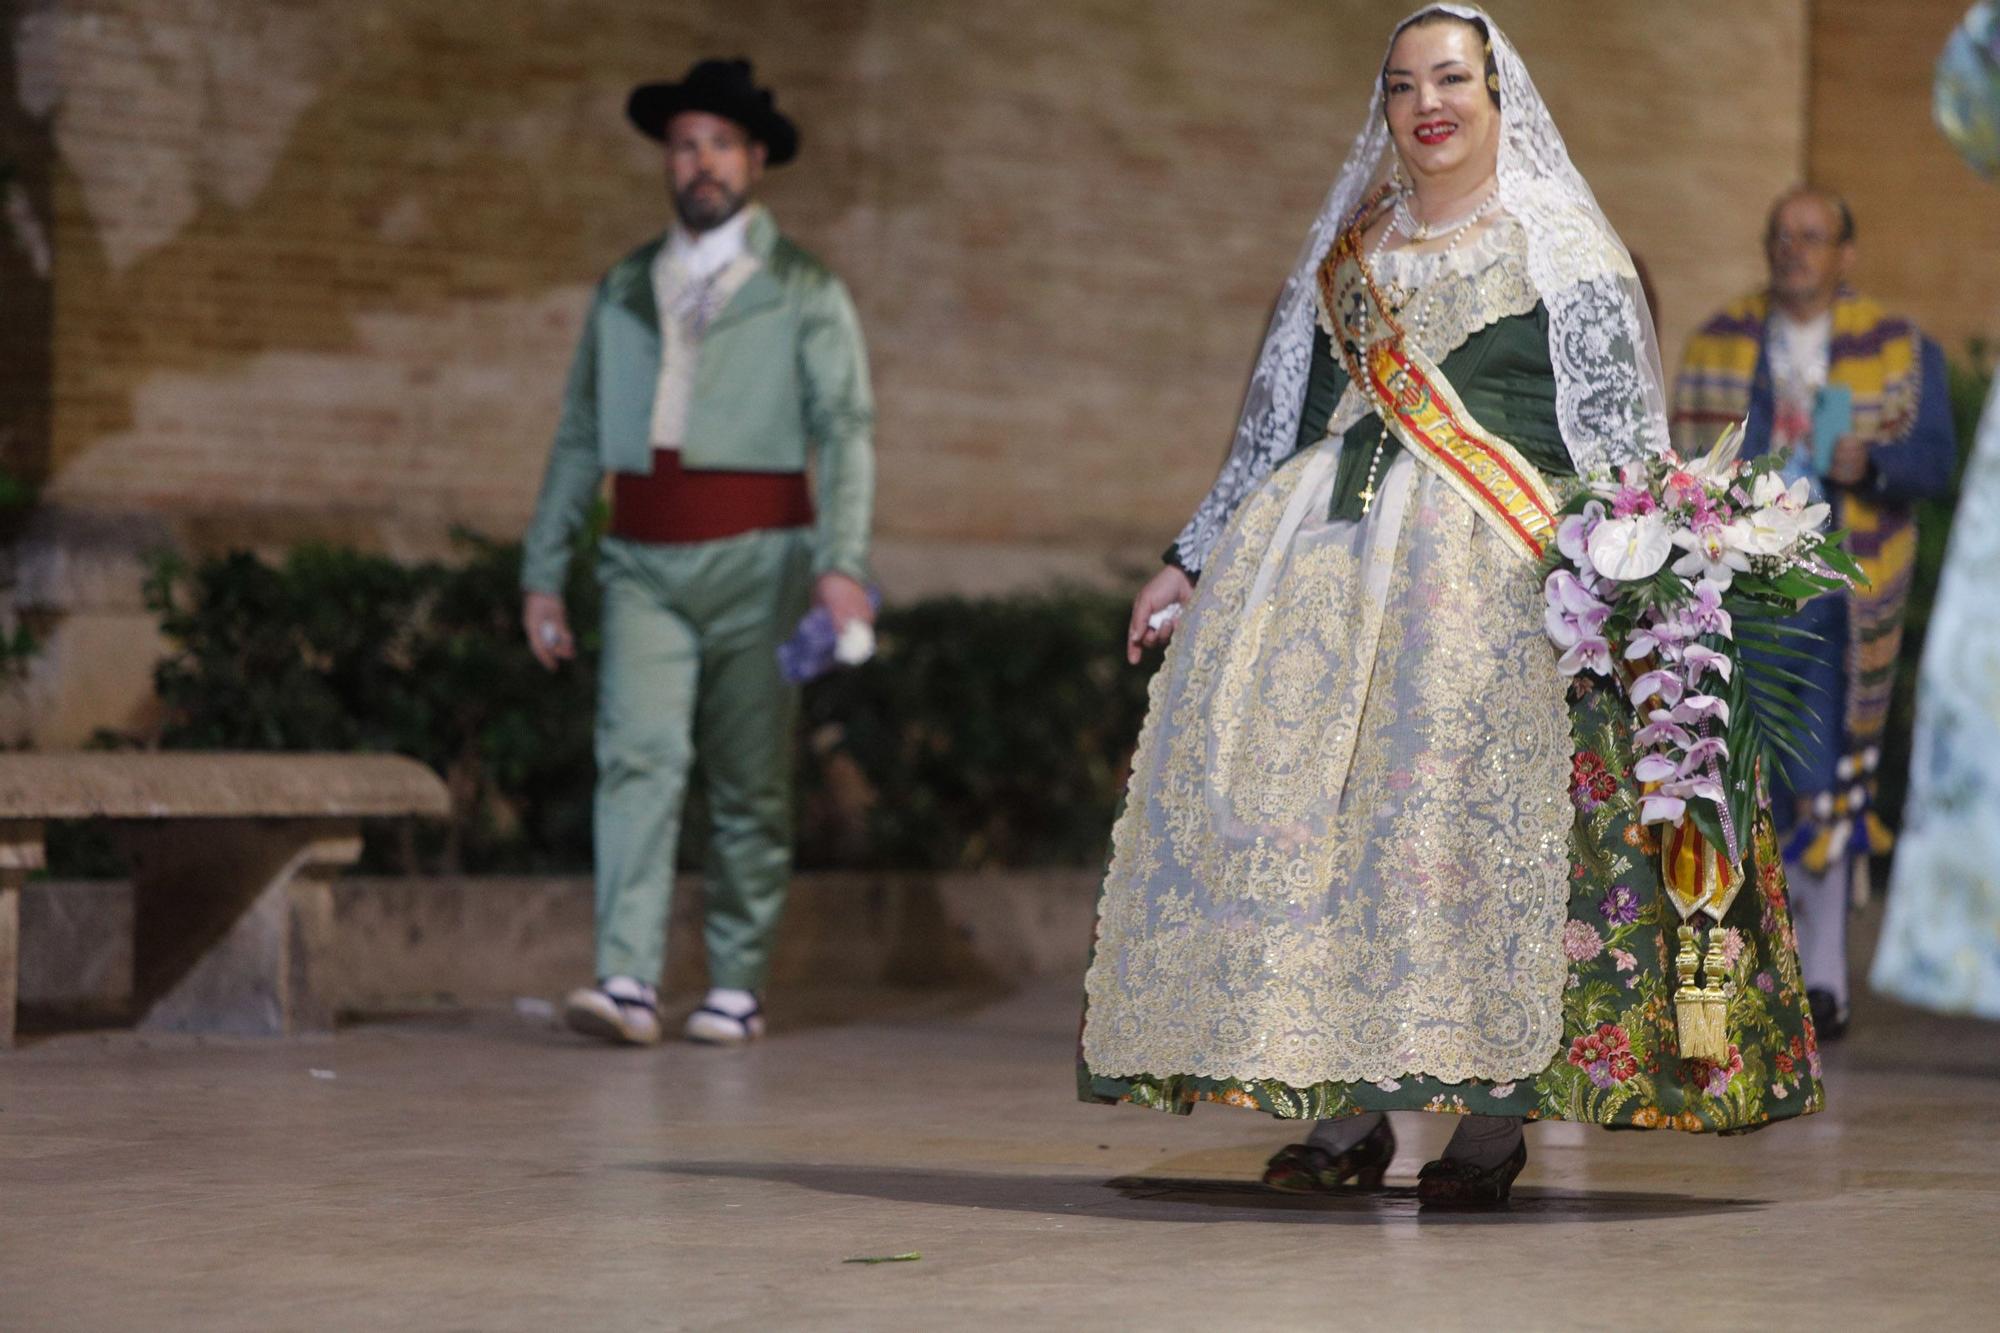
[[690, 676]]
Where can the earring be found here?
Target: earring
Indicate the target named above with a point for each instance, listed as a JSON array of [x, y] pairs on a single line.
[[1396, 172]]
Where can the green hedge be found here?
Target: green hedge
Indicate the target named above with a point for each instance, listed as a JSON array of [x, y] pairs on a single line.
[[986, 732]]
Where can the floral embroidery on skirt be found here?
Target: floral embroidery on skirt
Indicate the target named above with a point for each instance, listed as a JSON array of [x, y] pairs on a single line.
[[1618, 1063]]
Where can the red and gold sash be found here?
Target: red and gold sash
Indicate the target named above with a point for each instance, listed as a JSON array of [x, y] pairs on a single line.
[[1418, 404]]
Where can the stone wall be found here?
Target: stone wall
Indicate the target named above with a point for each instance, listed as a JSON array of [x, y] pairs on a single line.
[[317, 264], [1929, 227], [411, 943]]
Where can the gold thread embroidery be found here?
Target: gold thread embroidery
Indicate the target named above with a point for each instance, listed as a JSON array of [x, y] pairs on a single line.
[[1255, 923]]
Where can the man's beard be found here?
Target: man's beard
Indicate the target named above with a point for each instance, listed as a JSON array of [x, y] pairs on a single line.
[[704, 210]]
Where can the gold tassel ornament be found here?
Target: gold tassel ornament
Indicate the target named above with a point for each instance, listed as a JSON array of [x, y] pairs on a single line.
[[1702, 1011]]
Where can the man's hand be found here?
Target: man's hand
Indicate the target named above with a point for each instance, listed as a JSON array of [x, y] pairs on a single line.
[[547, 624], [844, 599], [1169, 587], [1850, 462]]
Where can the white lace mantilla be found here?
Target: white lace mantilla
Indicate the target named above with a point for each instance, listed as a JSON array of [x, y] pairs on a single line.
[[1611, 402]]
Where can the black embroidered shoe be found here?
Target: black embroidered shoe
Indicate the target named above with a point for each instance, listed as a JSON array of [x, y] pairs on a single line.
[[1304, 1168], [1448, 1184]]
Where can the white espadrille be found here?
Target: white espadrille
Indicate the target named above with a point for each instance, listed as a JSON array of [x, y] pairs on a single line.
[[617, 1009], [727, 1018]]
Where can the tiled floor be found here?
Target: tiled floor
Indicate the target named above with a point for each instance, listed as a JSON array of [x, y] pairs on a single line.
[[483, 1172]]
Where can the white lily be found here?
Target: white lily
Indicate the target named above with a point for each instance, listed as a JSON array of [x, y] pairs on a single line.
[[1718, 465]]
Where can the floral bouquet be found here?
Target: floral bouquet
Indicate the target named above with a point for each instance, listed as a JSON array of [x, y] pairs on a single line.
[[1675, 579]]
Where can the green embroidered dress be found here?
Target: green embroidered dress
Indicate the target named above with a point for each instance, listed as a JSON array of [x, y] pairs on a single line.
[[1615, 1061]]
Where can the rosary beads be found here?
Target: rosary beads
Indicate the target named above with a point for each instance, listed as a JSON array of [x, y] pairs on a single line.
[[1401, 220]]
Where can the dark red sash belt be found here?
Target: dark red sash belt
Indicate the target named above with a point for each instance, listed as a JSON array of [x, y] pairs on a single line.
[[674, 504]]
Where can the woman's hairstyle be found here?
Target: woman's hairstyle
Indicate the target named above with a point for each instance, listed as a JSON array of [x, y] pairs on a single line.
[[1424, 19]]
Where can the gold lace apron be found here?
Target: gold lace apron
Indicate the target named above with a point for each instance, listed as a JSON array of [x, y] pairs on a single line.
[[1344, 851]]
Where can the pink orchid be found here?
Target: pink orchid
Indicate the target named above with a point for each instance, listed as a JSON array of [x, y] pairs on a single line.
[[1669, 804], [1655, 768], [1698, 660], [1660, 808], [1574, 621], [1701, 752], [1707, 788], [1704, 613], [1591, 654], [1701, 707], [1655, 635], [1573, 532], [1668, 685], [1664, 729]]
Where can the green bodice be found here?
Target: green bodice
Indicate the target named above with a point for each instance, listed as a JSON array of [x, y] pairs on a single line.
[[1502, 374]]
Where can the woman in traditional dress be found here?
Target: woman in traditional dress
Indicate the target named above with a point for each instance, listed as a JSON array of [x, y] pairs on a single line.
[[1940, 945], [1377, 852]]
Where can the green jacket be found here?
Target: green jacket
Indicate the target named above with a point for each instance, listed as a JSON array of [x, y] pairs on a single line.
[[781, 366]]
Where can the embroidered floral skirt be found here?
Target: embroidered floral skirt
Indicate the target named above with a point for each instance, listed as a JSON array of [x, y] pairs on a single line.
[[1618, 1062]]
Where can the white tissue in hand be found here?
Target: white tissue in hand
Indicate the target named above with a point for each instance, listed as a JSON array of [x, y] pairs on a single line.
[[856, 643], [1162, 618]]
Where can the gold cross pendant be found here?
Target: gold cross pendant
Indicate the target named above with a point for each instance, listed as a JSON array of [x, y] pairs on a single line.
[[1368, 499]]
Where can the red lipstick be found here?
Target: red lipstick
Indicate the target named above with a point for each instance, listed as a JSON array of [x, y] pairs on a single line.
[[1434, 132]]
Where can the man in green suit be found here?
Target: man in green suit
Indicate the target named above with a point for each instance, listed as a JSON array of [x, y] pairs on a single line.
[[717, 363]]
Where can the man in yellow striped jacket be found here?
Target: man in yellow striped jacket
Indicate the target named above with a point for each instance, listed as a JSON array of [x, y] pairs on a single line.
[[1856, 400]]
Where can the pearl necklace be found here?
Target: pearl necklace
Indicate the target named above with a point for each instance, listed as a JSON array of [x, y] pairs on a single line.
[[1401, 220]]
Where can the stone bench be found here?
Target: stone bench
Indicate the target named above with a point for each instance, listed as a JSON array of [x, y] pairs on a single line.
[[233, 857]]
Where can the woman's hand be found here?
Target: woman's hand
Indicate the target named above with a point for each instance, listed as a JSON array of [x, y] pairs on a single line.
[[1170, 587]]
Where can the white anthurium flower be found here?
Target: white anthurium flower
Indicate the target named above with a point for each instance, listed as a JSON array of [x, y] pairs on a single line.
[[1630, 548]]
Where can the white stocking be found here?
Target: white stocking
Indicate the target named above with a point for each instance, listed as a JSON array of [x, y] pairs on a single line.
[[1819, 911], [1337, 1136]]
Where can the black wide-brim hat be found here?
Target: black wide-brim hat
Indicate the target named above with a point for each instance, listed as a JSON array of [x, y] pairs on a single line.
[[721, 88]]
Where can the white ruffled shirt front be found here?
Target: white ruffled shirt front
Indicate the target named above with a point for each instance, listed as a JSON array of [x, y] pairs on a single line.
[[694, 275]]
